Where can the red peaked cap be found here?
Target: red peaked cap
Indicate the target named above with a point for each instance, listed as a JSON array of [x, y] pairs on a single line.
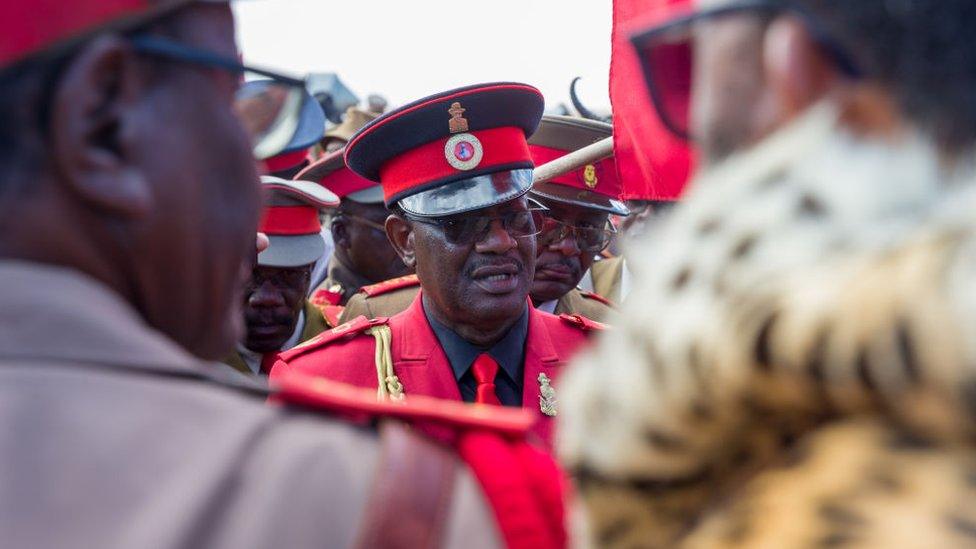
[[331, 172], [32, 27], [454, 136], [595, 185]]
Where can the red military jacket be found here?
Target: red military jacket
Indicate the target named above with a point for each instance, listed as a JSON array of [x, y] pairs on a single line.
[[347, 354]]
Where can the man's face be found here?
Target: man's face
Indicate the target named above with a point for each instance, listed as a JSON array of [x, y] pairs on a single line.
[[206, 195], [560, 264], [366, 246], [273, 300], [485, 282], [728, 84]]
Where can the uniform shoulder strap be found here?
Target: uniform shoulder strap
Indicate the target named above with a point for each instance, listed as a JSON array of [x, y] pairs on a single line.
[[353, 328], [583, 323], [316, 393], [596, 297], [391, 285]]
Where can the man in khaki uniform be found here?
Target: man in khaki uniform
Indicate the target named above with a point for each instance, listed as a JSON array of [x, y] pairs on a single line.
[[128, 213], [277, 316], [362, 254]]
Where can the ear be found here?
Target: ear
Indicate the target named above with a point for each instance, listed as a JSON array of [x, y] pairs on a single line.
[[796, 70], [340, 232], [94, 129], [401, 236]]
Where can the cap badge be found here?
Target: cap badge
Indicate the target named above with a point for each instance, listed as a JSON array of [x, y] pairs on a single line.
[[547, 396], [590, 177], [463, 152], [458, 123]]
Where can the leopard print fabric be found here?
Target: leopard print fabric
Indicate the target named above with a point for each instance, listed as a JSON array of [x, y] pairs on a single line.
[[812, 291]]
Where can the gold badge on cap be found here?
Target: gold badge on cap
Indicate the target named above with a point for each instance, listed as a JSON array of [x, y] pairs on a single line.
[[463, 150], [547, 396], [590, 177], [457, 123]]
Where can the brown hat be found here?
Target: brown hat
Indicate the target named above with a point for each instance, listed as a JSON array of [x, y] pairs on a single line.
[[352, 122]]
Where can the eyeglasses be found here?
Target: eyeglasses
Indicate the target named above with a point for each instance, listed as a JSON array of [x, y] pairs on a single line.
[[666, 54], [588, 239], [467, 229], [363, 221], [270, 112]]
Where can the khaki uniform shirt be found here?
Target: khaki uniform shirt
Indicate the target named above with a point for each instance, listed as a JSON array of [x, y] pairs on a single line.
[[112, 436], [314, 325], [607, 276]]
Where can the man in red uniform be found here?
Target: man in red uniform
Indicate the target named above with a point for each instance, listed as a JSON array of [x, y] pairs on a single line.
[[577, 225], [455, 170]]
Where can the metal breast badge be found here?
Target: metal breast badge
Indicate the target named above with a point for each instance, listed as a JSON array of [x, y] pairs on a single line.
[[547, 396]]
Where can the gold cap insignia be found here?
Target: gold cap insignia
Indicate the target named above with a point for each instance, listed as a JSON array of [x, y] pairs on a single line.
[[547, 396], [590, 177], [458, 123]]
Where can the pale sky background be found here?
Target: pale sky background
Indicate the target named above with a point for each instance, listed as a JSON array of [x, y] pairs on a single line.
[[407, 49]]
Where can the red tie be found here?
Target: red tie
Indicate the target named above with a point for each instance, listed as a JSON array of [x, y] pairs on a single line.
[[485, 368]]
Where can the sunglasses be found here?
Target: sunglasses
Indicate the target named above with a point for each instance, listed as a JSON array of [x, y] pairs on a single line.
[[666, 53], [270, 112], [588, 239], [467, 229], [364, 221]]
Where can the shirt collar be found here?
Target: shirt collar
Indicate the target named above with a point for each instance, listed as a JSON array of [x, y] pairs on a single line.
[[509, 352]]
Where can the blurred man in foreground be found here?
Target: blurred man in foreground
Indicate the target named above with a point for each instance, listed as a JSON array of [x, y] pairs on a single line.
[[130, 204], [810, 385]]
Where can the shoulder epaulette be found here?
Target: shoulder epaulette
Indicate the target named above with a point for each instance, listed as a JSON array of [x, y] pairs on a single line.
[[325, 297], [330, 396], [583, 323], [388, 286], [350, 329], [596, 297]]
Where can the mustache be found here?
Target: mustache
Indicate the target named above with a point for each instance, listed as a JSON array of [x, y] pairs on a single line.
[[473, 266], [568, 262]]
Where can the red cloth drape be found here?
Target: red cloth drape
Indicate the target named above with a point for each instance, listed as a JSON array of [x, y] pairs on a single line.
[[651, 163]]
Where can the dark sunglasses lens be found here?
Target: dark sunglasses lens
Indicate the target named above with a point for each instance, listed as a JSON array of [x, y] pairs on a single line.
[[666, 61], [592, 240], [463, 230], [523, 224], [270, 113]]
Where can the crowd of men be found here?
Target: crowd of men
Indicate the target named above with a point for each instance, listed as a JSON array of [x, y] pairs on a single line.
[[227, 322]]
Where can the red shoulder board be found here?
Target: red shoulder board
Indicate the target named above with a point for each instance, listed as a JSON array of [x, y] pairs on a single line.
[[323, 394], [352, 328], [583, 323], [597, 297], [388, 286], [325, 297]]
